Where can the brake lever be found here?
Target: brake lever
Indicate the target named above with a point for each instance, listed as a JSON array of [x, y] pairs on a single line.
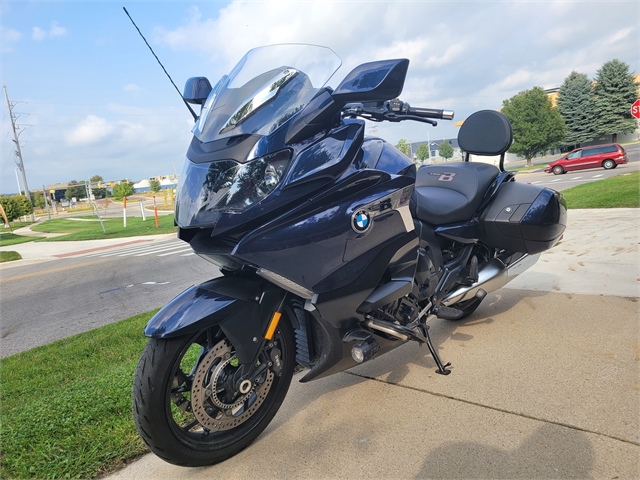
[[392, 114]]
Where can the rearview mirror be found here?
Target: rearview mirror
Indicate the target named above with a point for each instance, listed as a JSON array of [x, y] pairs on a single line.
[[374, 81], [197, 90]]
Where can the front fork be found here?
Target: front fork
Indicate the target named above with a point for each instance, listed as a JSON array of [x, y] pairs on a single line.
[[267, 356]]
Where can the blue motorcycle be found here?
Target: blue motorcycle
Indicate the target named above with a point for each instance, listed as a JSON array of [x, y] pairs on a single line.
[[333, 248]]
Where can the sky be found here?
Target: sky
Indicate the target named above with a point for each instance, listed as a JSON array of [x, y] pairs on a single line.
[[91, 99]]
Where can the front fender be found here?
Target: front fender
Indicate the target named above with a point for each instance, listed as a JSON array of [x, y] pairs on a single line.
[[241, 307]]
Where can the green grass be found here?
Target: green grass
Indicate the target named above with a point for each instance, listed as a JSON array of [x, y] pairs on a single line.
[[66, 407], [79, 230], [7, 239], [9, 256], [621, 191], [527, 168]]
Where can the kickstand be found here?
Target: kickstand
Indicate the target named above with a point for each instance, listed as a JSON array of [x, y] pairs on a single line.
[[442, 369]]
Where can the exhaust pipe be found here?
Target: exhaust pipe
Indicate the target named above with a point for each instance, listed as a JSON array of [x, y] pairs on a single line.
[[494, 275]]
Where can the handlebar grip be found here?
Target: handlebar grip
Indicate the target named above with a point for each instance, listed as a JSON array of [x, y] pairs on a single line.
[[431, 113]]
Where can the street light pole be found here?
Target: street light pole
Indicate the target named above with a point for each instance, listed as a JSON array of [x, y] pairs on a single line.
[[27, 193], [17, 180]]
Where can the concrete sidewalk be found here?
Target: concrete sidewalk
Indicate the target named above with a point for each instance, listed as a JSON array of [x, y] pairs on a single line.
[[33, 252], [545, 384]]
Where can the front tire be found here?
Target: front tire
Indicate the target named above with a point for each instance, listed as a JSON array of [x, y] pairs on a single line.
[[558, 170], [185, 407]]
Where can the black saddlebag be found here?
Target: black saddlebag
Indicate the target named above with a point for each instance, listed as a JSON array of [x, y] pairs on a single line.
[[524, 218]]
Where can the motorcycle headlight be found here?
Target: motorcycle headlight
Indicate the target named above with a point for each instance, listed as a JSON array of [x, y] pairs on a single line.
[[204, 189]]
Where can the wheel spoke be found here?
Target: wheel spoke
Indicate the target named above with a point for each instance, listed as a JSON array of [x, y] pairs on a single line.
[[181, 389], [190, 425]]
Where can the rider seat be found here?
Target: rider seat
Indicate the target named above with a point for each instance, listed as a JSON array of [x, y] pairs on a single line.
[[453, 192]]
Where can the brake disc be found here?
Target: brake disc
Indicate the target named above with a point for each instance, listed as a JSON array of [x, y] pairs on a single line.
[[209, 394]]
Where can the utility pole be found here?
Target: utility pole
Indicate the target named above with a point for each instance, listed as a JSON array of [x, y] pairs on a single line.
[[27, 193]]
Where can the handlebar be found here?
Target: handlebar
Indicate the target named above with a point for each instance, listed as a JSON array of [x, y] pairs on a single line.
[[395, 111], [431, 113]]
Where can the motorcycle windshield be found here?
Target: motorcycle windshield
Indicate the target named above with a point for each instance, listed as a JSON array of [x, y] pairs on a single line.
[[267, 87], [264, 90]]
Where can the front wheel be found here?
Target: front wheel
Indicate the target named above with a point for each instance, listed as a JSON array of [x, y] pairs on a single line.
[[558, 170], [185, 405], [608, 164]]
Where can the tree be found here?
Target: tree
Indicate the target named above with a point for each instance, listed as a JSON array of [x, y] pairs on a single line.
[[37, 199], [423, 152], [75, 189], [25, 207], [537, 125], [16, 206], [445, 150], [615, 91], [10, 207], [123, 189], [577, 107], [154, 186], [404, 146], [99, 192], [96, 179]]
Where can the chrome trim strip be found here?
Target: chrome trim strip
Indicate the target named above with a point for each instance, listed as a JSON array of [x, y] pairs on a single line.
[[405, 213], [285, 283]]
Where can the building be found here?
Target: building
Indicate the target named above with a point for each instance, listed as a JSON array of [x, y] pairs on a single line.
[[433, 150], [167, 182]]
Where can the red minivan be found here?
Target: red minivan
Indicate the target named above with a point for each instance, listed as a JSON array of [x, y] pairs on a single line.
[[606, 156]]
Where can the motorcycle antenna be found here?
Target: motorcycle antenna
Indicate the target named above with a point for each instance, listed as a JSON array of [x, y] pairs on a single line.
[[195, 117]]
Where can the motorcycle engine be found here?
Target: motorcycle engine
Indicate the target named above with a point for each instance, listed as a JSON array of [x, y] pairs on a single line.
[[403, 311]]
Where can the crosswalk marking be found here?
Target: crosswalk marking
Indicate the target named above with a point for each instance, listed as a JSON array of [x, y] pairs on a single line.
[[131, 249], [188, 249], [159, 249]]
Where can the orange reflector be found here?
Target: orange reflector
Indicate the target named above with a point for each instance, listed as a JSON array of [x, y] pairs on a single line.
[[273, 325]]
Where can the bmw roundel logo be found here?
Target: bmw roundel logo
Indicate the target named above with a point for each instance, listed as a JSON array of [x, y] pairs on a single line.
[[361, 221]]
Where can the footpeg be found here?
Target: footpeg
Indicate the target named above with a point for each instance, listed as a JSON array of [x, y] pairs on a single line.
[[449, 313], [473, 270]]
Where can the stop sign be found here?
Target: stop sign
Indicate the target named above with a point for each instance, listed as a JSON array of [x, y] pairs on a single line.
[[635, 109]]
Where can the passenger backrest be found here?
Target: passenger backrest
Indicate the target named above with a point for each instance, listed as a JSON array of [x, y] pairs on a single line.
[[486, 132]]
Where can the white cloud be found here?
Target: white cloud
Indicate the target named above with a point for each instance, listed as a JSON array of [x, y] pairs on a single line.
[[8, 36], [94, 130], [38, 34], [465, 56], [54, 31]]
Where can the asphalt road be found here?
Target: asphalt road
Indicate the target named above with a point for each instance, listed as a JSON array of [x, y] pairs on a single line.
[[572, 179], [47, 301]]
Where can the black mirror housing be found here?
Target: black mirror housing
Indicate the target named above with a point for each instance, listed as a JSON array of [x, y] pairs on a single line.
[[197, 90], [373, 82]]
